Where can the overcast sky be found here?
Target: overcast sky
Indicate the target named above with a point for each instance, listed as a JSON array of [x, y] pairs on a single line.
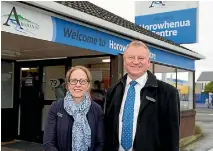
[[205, 42]]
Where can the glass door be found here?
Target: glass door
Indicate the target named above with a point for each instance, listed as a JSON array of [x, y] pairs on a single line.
[[30, 104]]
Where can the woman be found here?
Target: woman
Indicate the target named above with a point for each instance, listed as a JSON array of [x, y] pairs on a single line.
[[75, 123]]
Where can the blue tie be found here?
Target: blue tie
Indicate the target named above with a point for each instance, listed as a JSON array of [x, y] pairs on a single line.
[[127, 119]]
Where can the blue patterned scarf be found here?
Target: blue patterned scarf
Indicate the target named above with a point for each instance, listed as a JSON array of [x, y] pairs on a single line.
[[81, 132]]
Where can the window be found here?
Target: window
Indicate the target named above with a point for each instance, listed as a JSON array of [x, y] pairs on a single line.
[[6, 84], [184, 83], [185, 88], [166, 74]]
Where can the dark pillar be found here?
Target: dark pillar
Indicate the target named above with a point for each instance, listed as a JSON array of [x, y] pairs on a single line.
[[194, 85], [68, 64], [116, 66]]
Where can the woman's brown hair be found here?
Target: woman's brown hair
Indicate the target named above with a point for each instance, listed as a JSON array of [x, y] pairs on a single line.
[[86, 70]]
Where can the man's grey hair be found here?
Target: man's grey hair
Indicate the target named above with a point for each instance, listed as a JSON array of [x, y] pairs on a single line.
[[137, 43]]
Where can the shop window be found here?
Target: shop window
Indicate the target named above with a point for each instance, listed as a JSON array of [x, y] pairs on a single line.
[[185, 88], [6, 84], [100, 70], [166, 74]]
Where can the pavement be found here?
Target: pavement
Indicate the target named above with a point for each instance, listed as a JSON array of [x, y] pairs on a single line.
[[22, 146], [199, 105], [204, 118], [9, 149]]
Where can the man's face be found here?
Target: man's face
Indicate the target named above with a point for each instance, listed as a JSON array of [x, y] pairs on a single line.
[[136, 61]]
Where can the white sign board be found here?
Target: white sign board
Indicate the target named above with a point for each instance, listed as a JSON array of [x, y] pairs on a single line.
[[22, 21], [154, 7]]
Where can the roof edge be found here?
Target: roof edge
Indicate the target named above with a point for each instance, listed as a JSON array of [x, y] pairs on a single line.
[[70, 12]]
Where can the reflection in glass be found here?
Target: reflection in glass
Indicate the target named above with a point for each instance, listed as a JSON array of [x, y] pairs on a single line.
[[184, 83], [166, 74], [185, 88]]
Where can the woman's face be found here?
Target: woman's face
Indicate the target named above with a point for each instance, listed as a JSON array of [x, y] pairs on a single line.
[[78, 84]]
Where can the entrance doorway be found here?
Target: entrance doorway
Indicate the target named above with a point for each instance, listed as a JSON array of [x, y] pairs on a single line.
[[30, 104], [38, 80]]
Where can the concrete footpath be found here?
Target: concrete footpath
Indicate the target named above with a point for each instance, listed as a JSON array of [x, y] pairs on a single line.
[[204, 118], [9, 149], [199, 105], [22, 146], [205, 143]]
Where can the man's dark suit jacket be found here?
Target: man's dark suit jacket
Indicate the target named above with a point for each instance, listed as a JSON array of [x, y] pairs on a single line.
[[58, 129], [158, 118]]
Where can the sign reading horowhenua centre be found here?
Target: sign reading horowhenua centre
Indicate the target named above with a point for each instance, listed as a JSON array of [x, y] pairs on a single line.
[[174, 20]]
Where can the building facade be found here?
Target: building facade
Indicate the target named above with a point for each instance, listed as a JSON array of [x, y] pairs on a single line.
[[44, 39]]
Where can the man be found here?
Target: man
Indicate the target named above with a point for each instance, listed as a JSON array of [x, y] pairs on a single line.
[[142, 113], [60, 90]]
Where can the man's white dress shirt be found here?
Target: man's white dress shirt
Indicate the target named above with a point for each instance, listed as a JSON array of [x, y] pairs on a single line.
[[140, 84]]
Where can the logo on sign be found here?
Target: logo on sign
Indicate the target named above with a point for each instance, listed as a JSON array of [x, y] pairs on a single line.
[[19, 22], [156, 3]]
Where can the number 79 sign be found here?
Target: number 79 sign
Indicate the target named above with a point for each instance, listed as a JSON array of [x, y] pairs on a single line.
[[54, 83]]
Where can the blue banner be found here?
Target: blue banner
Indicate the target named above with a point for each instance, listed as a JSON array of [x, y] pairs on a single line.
[[84, 37], [179, 26], [80, 36]]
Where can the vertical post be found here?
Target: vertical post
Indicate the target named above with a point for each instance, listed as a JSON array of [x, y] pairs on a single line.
[[194, 103], [153, 67], [176, 76], [16, 96], [116, 68], [116, 71], [68, 64]]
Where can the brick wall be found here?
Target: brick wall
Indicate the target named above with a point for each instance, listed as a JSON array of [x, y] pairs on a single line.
[[187, 123]]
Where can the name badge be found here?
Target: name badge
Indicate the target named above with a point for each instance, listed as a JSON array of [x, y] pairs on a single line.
[[59, 114], [150, 99]]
